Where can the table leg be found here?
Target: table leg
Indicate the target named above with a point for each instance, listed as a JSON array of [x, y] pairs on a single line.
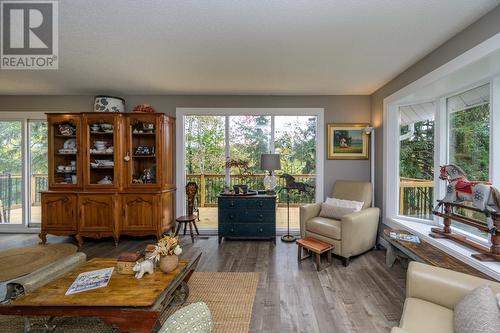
[[318, 261], [329, 256], [299, 252], [178, 229], [191, 232], [390, 256], [185, 228]]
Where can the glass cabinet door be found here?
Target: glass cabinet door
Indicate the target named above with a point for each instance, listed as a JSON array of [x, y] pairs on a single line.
[[102, 141], [64, 144], [142, 158]]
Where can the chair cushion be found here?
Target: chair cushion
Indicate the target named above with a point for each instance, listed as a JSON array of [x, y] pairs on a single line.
[[336, 208], [194, 317], [477, 312], [324, 226], [353, 190], [422, 316]]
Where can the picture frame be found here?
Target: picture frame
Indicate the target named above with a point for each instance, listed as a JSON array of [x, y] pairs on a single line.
[[347, 142]]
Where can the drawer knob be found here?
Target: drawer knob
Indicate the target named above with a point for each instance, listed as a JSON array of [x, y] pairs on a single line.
[[261, 216], [260, 230], [231, 217]]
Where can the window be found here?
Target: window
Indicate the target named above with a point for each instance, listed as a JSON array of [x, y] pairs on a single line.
[[221, 150], [469, 141], [451, 129], [416, 160], [23, 170]]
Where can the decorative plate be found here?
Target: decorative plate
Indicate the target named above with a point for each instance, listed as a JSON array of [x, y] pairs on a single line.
[[70, 144]]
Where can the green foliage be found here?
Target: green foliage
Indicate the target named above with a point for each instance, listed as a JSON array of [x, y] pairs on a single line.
[[10, 147], [417, 152], [470, 141], [38, 147]]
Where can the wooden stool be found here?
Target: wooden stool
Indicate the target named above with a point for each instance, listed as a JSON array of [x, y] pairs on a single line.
[[187, 219], [317, 247]]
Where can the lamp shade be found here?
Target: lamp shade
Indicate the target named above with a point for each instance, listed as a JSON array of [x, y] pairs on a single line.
[[270, 162]]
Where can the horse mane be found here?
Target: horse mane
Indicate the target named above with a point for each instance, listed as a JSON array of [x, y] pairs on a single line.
[[459, 169]]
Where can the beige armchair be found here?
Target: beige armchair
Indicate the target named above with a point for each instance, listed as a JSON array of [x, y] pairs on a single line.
[[355, 233], [431, 296]]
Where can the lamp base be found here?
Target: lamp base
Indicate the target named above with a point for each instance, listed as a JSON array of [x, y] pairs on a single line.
[[288, 238]]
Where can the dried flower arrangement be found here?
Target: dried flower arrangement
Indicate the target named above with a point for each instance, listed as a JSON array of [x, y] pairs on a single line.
[[167, 246]]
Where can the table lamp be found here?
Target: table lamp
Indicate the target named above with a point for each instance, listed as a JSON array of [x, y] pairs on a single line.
[[270, 162]]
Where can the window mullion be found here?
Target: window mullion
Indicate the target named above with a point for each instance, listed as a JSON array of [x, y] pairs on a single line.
[[495, 132], [25, 169]]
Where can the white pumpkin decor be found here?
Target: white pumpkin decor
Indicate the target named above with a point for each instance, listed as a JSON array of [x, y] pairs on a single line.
[[109, 104]]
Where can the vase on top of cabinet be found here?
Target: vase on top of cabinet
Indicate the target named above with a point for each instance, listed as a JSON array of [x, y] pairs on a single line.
[[114, 165]]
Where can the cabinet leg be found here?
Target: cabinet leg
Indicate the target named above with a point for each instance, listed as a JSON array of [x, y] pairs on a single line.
[[79, 240], [220, 239], [43, 237], [116, 239]]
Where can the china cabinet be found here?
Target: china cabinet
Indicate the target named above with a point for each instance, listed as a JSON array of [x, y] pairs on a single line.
[[110, 174]]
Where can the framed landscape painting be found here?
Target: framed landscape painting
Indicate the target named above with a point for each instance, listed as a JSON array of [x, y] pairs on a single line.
[[347, 142]]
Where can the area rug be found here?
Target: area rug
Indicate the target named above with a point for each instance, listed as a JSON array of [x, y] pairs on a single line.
[[21, 261], [229, 296]]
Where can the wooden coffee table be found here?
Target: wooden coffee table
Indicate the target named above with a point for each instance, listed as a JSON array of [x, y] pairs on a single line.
[[135, 306], [317, 247]]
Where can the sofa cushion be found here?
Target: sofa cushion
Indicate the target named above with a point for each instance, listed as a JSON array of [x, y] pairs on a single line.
[[477, 312], [422, 316], [195, 317], [325, 226]]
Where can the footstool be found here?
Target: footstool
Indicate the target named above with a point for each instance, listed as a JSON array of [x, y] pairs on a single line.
[[317, 247]]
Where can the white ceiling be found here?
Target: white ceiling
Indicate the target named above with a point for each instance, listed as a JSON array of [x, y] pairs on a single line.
[[241, 47]]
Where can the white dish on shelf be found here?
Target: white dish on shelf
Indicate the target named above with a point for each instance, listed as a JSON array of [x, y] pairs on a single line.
[[70, 144]]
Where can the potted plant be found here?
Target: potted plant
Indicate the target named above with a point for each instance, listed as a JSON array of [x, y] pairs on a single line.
[[166, 252]]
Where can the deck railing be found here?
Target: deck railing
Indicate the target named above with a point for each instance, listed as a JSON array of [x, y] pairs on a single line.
[[210, 185], [11, 195], [416, 197]]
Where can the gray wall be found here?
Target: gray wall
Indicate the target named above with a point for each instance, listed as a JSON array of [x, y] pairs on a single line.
[[486, 27], [341, 109]]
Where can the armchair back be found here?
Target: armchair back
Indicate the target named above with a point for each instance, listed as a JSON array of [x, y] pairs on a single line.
[[353, 190]]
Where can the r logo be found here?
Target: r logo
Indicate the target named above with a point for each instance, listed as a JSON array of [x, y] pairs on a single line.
[[29, 34]]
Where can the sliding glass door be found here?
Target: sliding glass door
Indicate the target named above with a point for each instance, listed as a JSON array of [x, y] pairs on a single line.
[[23, 171], [225, 150]]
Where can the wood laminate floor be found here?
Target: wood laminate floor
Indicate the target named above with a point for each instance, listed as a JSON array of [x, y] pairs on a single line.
[[291, 297]]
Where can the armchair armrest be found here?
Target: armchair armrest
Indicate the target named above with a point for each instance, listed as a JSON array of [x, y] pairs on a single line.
[[398, 330], [441, 286], [307, 212], [359, 231]]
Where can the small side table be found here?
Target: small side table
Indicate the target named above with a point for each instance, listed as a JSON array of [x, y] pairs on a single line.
[[187, 219], [317, 247]]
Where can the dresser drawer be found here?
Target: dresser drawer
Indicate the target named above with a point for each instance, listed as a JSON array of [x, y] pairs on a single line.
[[229, 215], [247, 230], [256, 216], [261, 204], [230, 203]]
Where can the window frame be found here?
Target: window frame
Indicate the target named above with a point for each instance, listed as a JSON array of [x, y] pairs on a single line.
[[273, 112], [27, 225], [441, 151]]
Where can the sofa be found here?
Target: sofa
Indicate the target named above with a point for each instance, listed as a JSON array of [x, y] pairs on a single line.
[[355, 233], [431, 295]]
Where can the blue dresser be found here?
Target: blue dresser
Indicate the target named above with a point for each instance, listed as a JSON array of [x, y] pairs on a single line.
[[247, 217]]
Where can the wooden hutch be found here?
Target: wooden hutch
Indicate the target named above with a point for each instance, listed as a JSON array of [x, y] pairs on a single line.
[[110, 174]]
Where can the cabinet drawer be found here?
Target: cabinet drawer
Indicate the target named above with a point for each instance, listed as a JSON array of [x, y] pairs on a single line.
[[247, 230], [256, 216], [228, 216], [261, 204], [229, 203]]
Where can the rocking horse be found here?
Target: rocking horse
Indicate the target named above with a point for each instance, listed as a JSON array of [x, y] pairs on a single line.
[[484, 197]]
